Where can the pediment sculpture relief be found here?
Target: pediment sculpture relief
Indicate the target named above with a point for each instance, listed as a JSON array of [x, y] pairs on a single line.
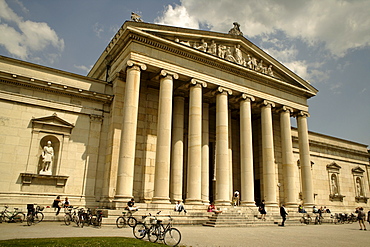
[[232, 54]]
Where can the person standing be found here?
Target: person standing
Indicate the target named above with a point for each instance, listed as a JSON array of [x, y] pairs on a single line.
[[361, 218], [283, 214]]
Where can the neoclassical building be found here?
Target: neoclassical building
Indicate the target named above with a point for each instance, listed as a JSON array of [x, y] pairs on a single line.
[[171, 114]]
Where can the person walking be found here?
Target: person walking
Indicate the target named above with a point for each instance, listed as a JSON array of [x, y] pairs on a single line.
[[283, 214], [262, 210], [57, 204]]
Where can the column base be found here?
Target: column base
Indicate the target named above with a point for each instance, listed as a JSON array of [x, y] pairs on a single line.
[[291, 205], [120, 201], [271, 204], [160, 200], [248, 204], [193, 201], [222, 203]]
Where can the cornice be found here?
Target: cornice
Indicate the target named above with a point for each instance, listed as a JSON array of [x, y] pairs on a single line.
[[334, 147], [52, 87]]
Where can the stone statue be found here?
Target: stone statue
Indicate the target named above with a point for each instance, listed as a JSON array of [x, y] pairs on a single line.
[[261, 68], [238, 55], [269, 70], [212, 49], [359, 187], [221, 51], [334, 184], [229, 56], [202, 47], [236, 29], [47, 158], [187, 43], [135, 17]]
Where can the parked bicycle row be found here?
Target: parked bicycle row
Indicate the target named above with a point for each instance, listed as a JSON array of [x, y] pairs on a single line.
[[82, 217]]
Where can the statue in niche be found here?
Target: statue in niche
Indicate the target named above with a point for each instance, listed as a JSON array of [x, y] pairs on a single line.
[[359, 187], [202, 47], [229, 56], [238, 55], [212, 49], [236, 29], [222, 51], [47, 158], [334, 184], [135, 17], [269, 70]]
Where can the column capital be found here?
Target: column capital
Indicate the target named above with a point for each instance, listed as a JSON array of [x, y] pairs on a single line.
[[286, 109], [246, 96], [194, 82], [166, 73], [131, 63], [302, 114], [267, 104], [221, 90]]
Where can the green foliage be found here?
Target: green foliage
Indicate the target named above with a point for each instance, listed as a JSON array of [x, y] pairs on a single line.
[[78, 242]]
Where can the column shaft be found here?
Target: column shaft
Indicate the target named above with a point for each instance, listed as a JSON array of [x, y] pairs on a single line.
[[289, 169], [246, 153], [177, 149], [205, 154], [125, 174], [195, 145], [163, 152], [268, 160], [304, 158], [222, 150]]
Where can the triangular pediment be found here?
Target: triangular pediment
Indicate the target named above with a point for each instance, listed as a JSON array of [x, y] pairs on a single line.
[[52, 124], [228, 48], [358, 170], [333, 166]]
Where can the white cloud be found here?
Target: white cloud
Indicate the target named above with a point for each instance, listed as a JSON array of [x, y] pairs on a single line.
[[22, 38], [340, 24], [83, 68]]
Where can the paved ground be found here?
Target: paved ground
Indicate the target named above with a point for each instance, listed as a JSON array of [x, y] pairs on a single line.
[[313, 235]]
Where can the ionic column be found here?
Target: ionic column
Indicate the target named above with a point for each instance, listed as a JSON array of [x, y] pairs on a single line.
[[222, 148], [194, 195], [268, 160], [304, 158], [246, 152], [287, 158], [163, 153], [125, 174], [177, 163], [205, 154]]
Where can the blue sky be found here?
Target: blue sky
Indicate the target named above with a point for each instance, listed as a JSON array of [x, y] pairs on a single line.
[[326, 42]]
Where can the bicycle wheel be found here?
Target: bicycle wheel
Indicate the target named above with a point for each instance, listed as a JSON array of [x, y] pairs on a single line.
[[19, 217], [2, 218], [99, 221], [39, 216], [131, 221], [120, 222], [75, 219], [29, 219], [172, 237], [67, 219], [139, 230], [153, 233]]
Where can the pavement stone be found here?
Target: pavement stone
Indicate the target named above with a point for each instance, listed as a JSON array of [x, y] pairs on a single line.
[[327, 235]]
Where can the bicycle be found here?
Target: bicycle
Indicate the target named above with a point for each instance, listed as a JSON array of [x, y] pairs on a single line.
[[34, 216], [318, 220], [141, 229], [126, 219], [169, 235], [306, 219], [95, 217], [69, 216], [15, 216], [82, 217]]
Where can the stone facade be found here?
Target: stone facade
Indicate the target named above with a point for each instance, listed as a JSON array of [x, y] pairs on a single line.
[[170, 114]]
